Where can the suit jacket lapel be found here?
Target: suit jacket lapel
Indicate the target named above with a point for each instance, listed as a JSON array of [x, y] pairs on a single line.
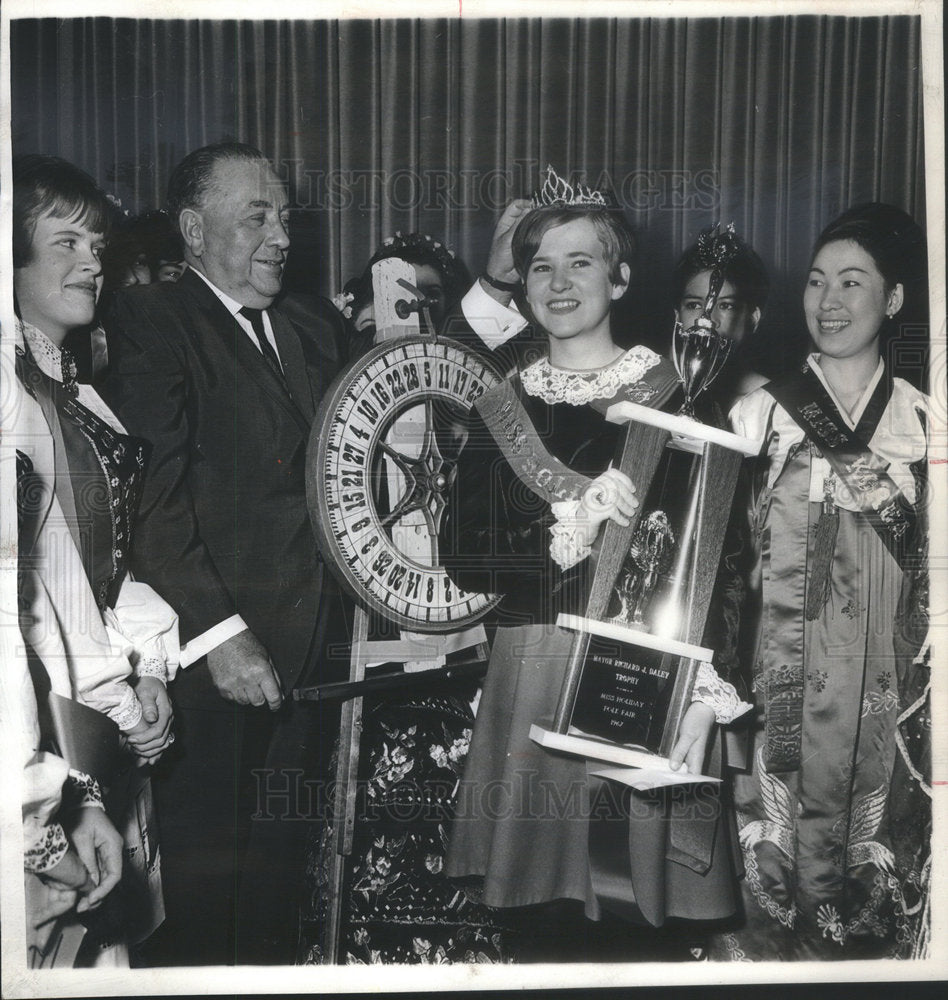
[[294, 364], [224, 326]]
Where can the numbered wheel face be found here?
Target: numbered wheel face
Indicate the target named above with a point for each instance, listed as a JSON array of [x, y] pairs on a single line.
[[380, 466]]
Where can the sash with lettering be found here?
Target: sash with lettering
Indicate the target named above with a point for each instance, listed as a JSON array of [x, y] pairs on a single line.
[[865, 475], [880, 502], [513, 431]]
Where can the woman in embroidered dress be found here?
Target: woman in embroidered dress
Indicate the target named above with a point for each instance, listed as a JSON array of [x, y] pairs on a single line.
[[832, 811], [522, 818], [91, 634]]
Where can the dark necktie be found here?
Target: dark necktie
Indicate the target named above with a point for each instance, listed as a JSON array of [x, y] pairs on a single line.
[[256, 321]]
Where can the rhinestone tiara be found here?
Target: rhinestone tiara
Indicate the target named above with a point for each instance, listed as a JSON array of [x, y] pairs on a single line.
[[557, 192]]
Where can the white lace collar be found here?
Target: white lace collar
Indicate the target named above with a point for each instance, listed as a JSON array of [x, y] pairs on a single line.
[[560, 385], [48, 357], [49, 360]]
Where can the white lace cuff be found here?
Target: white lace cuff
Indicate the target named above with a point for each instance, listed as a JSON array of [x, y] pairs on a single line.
[[565, 549], [152, 666], [128, 713], [718, 695]]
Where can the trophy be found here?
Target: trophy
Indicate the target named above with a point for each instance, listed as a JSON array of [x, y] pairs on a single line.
[[634, 655], [701, 351]]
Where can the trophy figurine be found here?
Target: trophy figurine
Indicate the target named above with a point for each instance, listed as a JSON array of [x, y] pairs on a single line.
[[650, 556], [701, 351]]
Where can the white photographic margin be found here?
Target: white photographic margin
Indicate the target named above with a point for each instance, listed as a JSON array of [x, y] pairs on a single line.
[[17, 981]]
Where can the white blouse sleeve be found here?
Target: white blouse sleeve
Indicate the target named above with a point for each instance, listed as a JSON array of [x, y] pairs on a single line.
[[144, 628], [63, 625], [44, 842]]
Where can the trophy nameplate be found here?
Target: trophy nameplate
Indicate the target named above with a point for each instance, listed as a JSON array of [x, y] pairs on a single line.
[[628, 683]]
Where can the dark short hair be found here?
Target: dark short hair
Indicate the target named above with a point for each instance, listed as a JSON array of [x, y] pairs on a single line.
[[744, 270], [49, 185], [891, 237], [614, 234], [191, 178]]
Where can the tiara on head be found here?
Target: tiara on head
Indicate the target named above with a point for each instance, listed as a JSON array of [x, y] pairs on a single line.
[[557, 192], [716, 248]]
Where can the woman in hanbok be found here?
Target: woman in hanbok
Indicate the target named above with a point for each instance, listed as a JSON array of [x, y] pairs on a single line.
[[525, 522], [97, 643], [833, 811]]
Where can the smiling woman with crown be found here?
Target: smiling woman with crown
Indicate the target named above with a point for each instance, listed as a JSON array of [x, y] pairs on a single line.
[[535, 486]]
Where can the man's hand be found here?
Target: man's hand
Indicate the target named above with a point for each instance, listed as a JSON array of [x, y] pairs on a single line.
[[150, 737], [500, 263], [99, 846], [693, 736], [242, 672]]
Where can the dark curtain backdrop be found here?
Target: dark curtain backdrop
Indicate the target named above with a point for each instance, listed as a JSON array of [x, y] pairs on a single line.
[[775, 123]]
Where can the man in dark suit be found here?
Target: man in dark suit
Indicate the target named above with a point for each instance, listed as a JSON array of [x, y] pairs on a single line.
[[224, 379]]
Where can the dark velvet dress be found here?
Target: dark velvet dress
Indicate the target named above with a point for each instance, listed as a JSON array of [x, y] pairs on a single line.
[[523, 828]]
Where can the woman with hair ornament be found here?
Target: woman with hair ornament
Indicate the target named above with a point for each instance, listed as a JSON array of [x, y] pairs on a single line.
[[736, 311], [834, 809]]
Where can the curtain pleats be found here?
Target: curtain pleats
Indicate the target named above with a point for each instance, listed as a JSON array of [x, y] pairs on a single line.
[[773, 123]]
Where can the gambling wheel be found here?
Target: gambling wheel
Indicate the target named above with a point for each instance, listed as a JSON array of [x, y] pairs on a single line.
[[380, 465]]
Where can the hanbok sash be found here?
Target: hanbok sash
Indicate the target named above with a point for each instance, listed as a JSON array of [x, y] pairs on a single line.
[[865, 475]]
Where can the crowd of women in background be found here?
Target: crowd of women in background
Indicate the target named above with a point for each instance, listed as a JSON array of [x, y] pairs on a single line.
[[819, 844]]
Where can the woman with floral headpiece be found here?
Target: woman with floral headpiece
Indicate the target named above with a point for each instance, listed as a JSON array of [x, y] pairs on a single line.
[[834, 809], [522, 831]]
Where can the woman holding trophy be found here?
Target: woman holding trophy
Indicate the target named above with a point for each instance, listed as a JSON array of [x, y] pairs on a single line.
[[535, 485], [832, 812]]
